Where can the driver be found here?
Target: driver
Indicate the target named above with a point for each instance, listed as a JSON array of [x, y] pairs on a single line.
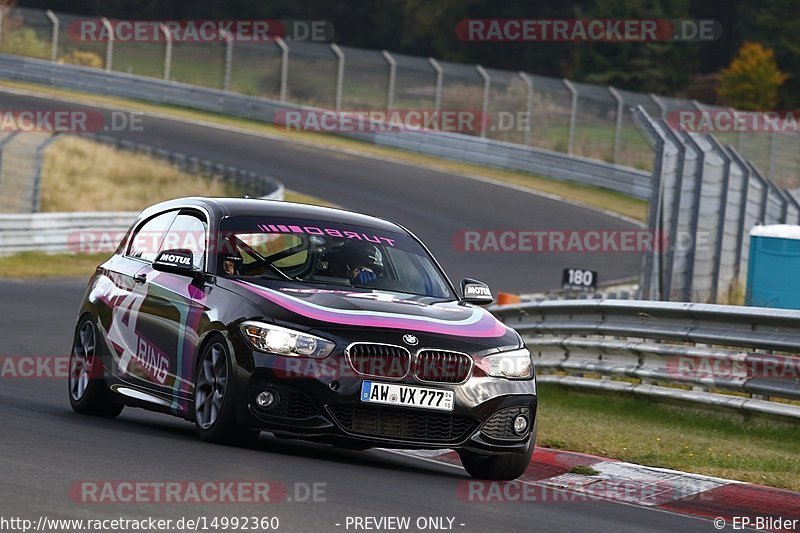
[[232, 264], [364, 262]]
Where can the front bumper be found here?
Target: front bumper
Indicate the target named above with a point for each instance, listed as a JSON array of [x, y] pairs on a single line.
[[321, 401]]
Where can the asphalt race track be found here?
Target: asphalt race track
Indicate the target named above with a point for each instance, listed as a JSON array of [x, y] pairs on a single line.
[[434, 205], [46, 449]]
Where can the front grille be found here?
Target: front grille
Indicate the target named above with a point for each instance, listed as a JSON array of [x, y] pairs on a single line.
[[380, 422], [501, 424], [442, 366], [379, 360]]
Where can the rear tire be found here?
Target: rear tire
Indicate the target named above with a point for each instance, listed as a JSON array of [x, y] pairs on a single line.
[[88, 392], [214, 399], [505, 467]]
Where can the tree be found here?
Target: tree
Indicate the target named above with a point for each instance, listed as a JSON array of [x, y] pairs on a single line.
[[752, 80]]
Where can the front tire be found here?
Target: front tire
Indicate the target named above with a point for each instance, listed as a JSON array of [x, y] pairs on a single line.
[[504, 467], [214, 398], [88, 392]]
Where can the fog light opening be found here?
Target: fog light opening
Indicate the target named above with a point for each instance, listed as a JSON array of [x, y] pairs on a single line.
[[520, 425], [265, 399]]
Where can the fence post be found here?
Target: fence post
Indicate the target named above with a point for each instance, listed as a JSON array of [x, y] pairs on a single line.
[[617, 125], [726, 178], [695, 216], [437, 99], [339, 74], [38, 167], [284, 67], [226, 81], [528, 105], [742, 215], [392, 79], [487, 86], [167, 53], [672, 231], [662, 109], [771, 167], [54, 43], [573, 112], [110, 44]]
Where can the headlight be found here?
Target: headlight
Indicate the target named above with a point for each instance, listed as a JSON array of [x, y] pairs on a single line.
[[282, 341], [516, 364]]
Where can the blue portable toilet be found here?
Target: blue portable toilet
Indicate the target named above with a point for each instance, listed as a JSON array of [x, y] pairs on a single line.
[[773, 272]]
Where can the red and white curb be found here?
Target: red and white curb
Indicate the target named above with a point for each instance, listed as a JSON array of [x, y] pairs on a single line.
[[551, 478]]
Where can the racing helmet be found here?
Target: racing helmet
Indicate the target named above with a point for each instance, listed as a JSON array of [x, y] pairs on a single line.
[[362, 254]]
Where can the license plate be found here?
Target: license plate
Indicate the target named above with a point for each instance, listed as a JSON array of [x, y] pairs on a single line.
[[406, 396]]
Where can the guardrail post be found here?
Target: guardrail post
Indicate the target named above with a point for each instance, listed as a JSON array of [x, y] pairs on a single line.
[[617, 125], [437, 99], [573, 112], [226, 80], [528, 106], [54, 43], [339, 74], [167, 52], [487, 86], [110, 44], [392, 79], [284, 67]]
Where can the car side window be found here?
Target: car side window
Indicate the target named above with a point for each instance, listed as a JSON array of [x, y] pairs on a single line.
[[188, 232], [146, 241]]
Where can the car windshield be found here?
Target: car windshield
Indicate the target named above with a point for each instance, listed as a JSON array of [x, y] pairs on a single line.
[[326, 253]]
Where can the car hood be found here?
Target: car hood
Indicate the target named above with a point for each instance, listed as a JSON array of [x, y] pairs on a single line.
[[324, 309]]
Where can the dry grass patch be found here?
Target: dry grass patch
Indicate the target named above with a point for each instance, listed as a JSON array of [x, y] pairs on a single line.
[[40, 265], [82, 175]]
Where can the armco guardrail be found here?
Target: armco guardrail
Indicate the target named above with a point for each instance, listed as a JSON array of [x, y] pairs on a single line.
[[662, 346], [447, 145]]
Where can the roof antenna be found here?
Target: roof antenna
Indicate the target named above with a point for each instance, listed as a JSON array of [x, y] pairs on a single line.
[[248, 197]]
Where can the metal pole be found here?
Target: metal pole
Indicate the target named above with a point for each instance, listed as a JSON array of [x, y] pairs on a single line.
[[36, 186], [723, 204], [437, 99], [487, 85], [662, 109], [339, 74], [695, 214], [226, 81], [392, 79], [167, 53], [110, 44], [617, 125], [54, 44], [772, 164], [742, 215], [573, 113], [528, 106], [284, 67]]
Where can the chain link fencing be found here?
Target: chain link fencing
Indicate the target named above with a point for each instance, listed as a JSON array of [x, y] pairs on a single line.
[[579, 119]]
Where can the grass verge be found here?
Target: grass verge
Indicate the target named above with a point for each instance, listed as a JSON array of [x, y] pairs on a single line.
[[83, 175], [590, 196], [757, 450], [36, 265]]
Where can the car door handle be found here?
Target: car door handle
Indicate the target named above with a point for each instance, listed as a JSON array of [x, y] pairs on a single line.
[[140, 278]]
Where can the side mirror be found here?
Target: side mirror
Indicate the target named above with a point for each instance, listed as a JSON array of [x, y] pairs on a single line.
[[476, 292], [179, 262]]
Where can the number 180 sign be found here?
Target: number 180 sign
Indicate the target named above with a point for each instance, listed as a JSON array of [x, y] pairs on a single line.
[[576, 279]]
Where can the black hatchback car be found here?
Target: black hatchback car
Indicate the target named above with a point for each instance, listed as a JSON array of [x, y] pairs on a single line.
[[311, 323]]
